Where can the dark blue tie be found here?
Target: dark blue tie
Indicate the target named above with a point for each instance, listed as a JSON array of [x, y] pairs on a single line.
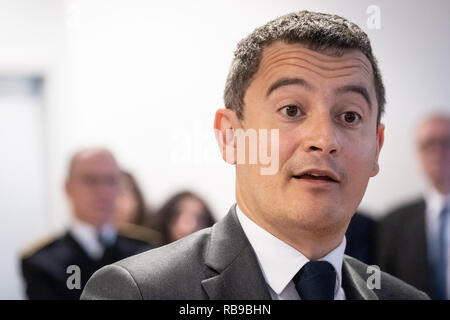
[[103, 240], [441, 280], [316, 280]]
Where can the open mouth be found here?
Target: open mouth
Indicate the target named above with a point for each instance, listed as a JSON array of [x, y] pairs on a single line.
[[311, 176]]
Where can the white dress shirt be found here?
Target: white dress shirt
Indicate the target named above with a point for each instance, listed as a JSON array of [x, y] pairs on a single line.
[[280, 262], [435, 202], [87, 236]]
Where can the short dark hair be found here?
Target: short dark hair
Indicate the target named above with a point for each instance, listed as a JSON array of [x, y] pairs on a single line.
[[329, 34]]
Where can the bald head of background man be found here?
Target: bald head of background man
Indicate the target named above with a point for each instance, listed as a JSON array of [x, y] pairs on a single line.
[[92, 185], [433, 142]]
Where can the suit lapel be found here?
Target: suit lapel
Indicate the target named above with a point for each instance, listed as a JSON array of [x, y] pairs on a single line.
[[235, 273], [355, 287], [235, 270]]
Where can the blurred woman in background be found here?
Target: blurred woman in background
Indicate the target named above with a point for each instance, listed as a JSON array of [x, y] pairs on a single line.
[[183, 214], [133, 216]]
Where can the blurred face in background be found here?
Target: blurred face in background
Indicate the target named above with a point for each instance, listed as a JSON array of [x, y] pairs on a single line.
[[127, 202], [93, 186], [190, 218], [433, 141]]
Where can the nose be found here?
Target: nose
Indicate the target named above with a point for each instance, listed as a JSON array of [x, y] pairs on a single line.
[[320, 135], [107, 187]]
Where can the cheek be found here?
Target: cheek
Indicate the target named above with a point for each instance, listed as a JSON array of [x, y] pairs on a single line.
[[287, 147], [83, 196], [125, 203], [360, 162]]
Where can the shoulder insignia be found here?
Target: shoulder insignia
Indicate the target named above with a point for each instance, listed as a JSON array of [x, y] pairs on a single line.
[[38, 245], [140, 233]]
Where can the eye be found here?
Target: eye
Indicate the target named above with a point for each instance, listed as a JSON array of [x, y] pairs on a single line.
[[291, 111], [350, 117]]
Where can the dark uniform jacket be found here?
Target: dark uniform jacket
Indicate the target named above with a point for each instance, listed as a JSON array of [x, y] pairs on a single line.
[[402, 245], [360, 237], [45, 270]]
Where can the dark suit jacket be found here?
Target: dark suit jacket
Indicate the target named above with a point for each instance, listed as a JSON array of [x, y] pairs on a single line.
[[402, 245], [216, 263], [360, 237], [44, 270]]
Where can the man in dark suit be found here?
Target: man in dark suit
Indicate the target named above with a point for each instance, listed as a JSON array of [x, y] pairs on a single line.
[[413, 238], [310, 83], [60, 267]]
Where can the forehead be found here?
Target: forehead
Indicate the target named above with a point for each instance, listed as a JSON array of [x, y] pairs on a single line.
[[286, 60], [434, 127], [95, 164], [190, 202]]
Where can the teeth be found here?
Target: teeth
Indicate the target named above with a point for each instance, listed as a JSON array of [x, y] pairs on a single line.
[[315, 175], [318, 176]]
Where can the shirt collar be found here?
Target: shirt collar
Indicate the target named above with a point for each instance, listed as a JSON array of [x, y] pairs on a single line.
[[87, 236], [279, 261], [435, 203]]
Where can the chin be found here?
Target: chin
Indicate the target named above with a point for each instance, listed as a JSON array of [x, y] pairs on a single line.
[[317, 219]]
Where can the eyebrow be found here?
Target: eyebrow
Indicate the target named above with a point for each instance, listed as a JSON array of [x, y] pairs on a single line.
[[288, 82], [358, 90], [361, 90]]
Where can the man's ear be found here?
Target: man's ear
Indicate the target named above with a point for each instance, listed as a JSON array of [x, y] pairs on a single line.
[[380, 142], [225, 122]]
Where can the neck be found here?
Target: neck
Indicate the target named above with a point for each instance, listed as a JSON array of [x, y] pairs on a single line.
[[313, 244]]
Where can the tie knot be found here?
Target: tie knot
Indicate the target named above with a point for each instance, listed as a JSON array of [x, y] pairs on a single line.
[[316, 280], [102, 240]]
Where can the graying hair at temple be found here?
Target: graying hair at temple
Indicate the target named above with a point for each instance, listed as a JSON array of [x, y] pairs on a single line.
[[325, 33]]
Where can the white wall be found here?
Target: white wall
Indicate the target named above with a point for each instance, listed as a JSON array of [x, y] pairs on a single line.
[[145, 78], [150, 75], [31, 40], [24, 214]]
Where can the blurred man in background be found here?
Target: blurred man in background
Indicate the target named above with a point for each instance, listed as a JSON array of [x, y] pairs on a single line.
[[414, 238], [60, 267]]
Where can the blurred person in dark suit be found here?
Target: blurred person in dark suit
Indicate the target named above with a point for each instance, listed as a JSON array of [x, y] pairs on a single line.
[[133, 214], [360, 236], [92, 241], [311, 82], [183, 214], [414, 238]]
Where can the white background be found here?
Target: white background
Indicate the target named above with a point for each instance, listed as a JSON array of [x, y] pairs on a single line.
[[144, 78]]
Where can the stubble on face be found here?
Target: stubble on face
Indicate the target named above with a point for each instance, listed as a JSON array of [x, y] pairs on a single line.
[[280, 203]]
